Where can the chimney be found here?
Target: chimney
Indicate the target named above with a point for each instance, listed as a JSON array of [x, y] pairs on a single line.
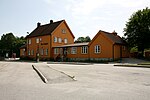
[[51, 21], [115, 33], [38, 24]]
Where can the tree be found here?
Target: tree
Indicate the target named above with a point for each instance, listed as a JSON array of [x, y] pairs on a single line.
[[19, 41], [137, 31], [83, 39], [6, 43], [10, 44], [87, 39]]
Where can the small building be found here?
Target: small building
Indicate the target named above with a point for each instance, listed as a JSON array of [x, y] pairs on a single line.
[[56, 41]]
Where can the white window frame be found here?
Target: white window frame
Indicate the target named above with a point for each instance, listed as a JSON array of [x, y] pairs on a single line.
[[59, 40], [40, 39], [29, 52], [63, 31], [42, 51], [84, 49], [65, 40], [55, 39], [56, 51], [74, 50], [46, 51], [23, 51], [97, 49], [124, 48], [29, 41], [32, 52], [37, 40]]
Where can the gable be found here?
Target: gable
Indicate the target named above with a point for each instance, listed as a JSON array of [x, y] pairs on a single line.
[[66, 26], [111, 37]]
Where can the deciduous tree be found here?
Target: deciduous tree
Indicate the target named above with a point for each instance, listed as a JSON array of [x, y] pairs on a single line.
[[137, 31]]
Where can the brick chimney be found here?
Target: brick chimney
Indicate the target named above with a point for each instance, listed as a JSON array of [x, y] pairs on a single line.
[[38, 24], [51, 21], [114, 32]]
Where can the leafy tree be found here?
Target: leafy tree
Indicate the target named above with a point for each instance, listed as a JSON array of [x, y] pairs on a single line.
[[87, 39], [83, 39], [6, 43], [10, 44], [17, 44], [137, 31]]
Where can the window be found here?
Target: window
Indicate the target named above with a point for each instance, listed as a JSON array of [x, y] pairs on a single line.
[[124, 48], [55, 50], [73, 50], [68, 51], [65, 41], [42, 51], [97, 49], [23, 51], [84, 50], [37, 40], [59, 40], [40, 39], [55, 39], [29, 52], [32, 52], [63, 31], [29, 41], [46, 51]]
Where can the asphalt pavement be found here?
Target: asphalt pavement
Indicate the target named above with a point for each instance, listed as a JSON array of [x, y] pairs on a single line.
[[19, 81]]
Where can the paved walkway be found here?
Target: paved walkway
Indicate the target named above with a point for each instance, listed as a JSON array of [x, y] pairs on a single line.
[[50, 75], [133, 61]]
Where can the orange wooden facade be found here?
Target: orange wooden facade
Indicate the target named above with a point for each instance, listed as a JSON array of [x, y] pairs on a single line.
[[59, 45]]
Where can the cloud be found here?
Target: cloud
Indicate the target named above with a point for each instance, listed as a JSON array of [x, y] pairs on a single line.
[[85, 7]]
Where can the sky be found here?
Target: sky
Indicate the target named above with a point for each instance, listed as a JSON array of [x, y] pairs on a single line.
[[84, 17]]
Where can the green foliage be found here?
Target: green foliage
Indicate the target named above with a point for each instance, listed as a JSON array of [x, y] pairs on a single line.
[[83, 39], [10, 44], [134, 49], [137, 31]]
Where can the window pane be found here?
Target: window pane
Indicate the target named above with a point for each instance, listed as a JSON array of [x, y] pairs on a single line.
[[97, 49], [42, 51], [73, 50], [46, 52], [59, 40], [29, 41], [65, 40], [84, 49], [55, 39], [37, 40]]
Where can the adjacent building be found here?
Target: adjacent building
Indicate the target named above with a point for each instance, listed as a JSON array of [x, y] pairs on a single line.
[[55, 41]]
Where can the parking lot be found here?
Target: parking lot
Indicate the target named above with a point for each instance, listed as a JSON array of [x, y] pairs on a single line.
[[19, 81]]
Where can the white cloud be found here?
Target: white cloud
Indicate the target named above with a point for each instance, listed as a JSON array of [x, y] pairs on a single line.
[[85, 7]]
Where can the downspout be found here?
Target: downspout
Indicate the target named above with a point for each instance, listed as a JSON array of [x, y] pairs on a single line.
[[50, 47], [89, 53], [113, 52], [120, 52]]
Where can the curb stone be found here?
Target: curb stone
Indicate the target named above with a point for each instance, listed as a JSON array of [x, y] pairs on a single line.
[[40, 74]]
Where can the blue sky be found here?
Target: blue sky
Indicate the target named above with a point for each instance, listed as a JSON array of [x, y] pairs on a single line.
[[84, 17]]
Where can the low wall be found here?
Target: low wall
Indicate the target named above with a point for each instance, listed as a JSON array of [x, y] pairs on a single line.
[[90, 59]]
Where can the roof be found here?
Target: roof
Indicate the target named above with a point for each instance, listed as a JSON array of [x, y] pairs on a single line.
[[114, 37], [111, 36], [46, 29], [73, 45], [23, 46]]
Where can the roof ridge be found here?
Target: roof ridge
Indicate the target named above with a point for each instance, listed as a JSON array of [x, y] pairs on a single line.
[[51, 23], [45, 29]]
